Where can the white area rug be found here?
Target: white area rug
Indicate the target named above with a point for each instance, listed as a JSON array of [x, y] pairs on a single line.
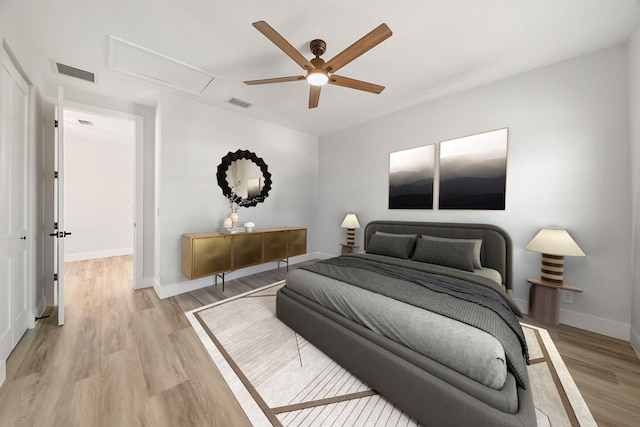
[[281, 379]]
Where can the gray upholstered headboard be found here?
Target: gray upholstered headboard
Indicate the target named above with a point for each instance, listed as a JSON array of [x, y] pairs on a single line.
[[496, 250]]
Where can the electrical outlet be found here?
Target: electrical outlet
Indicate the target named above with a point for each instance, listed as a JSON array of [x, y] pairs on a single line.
[[71, 248], [567, 297]]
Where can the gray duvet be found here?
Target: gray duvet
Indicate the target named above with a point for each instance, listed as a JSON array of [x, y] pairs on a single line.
[[460, 346]]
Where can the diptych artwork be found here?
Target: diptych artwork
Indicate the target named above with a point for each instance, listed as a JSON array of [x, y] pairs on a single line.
[[472, 174], [411, 178], [473, 171]]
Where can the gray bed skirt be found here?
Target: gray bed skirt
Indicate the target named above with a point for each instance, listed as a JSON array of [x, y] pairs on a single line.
[[399, 374]]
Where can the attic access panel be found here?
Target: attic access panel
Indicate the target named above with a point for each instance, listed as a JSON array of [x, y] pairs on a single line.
[[137, 61]]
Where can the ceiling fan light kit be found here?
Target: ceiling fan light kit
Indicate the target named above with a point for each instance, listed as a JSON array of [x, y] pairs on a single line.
[[320, 72], [317, 78]]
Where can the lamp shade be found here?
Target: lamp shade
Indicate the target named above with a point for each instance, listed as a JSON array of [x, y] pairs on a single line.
[[350, 221], [554, 242]]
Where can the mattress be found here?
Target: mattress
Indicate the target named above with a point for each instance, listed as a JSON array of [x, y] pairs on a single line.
[[461, 347], [457, 318]]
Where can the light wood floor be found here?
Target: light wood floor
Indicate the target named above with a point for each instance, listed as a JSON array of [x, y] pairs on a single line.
[[127, 358]]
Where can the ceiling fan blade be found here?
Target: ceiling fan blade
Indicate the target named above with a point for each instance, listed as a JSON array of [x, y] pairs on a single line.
[[283, 44], [274, 80], [369, 41], [314, 95], [355, 84]]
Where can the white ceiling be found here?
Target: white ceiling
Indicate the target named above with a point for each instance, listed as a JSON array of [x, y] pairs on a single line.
[[438, 47]]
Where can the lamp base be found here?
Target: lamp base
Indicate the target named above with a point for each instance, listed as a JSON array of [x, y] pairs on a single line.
[[351, 236], [552, 269]]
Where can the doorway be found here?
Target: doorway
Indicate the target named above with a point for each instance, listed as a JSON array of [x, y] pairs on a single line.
[[102, 189]]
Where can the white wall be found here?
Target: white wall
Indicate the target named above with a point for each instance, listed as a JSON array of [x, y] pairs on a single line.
[[99, 190], [567, 166], [194, 138], [634, 79]]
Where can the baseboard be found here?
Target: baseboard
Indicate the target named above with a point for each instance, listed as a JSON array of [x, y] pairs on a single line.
[[41, 306], [522, 304], [595, 324], [324, 255], [3, 371], [635, 341], [157, 285], [81, 256], [167, 290], [147, 282]]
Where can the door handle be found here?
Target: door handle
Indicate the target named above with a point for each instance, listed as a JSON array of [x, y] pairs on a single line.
[[60, 234], [23, 238]]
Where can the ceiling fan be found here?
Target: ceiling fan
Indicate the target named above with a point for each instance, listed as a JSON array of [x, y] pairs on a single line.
[[320, 72]]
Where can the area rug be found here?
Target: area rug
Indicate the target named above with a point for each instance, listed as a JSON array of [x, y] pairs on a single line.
[[280, 379]]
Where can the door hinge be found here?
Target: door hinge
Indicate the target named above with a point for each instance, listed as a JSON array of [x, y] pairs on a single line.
[[55, 225], [55, 123], [55, 277], [55, 174]]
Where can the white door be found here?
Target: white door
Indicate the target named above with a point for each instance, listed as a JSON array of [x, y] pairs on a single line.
[[14, 304], [59, 232]]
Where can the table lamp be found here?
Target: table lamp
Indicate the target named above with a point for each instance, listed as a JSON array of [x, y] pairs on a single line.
[[554, 245], [350, 223]]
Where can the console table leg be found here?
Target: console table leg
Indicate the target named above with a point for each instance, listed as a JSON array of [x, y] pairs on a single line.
[[286, 261], [216, 280]]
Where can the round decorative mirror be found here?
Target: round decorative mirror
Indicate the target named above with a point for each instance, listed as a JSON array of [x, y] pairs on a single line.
[[244, 177]]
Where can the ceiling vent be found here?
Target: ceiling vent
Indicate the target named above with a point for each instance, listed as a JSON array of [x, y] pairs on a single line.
[[70, 71], [239, 102]]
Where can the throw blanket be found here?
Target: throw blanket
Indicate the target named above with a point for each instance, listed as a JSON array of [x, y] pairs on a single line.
[[476, 304]]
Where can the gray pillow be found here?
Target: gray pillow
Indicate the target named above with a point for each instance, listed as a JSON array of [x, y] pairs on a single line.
[[450, 254], [413, 236], [393, 246], [382, 233], [476, 248]]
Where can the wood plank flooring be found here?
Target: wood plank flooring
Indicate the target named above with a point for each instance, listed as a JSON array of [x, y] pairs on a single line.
[[126, 358], [605, 369]]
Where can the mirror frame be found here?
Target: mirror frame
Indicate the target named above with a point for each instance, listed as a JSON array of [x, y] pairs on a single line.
[[223, 167]]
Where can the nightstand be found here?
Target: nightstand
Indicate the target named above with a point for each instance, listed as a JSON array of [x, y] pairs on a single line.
[[544, 300], [348, 249]]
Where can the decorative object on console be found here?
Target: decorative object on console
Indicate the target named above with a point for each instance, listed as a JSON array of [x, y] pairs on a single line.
[[227, 223], [554, 245], [234, 219], [232, 230], [350, 223], [244, 179], [473, 171], [249, 226], [411, 178]]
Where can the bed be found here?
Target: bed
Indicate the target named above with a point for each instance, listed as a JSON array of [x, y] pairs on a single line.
[[436, 357]]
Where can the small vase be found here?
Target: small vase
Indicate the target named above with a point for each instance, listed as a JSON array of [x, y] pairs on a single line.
[[234, 219]]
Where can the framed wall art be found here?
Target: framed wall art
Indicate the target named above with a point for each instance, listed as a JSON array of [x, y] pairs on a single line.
[[473, 171], [411, 178]]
